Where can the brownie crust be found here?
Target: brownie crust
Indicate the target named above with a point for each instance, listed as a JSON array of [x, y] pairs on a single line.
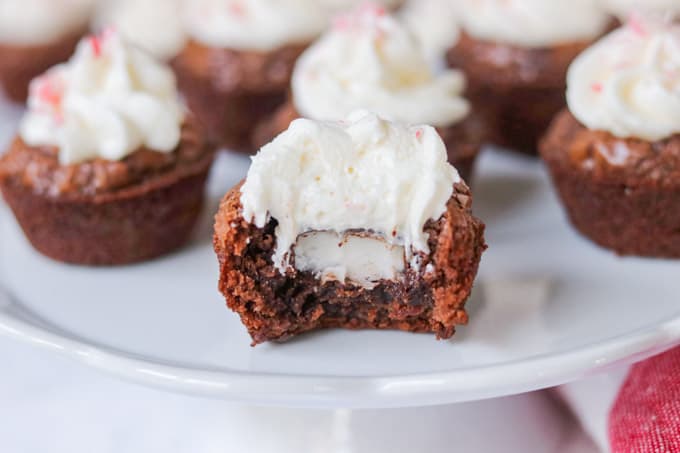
[[517, 90], [21, 64], [74, 214], [275, 307], [463, 140], [623, 194], [231, 91]]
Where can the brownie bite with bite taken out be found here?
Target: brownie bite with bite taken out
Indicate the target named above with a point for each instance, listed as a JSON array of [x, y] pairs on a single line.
[[360, 224]]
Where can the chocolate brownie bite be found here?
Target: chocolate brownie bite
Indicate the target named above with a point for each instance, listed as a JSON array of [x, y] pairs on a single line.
[[614, 155], [360, 224], [369, 60], [35, 35], [516, 55], [236, 66], [107, 167]]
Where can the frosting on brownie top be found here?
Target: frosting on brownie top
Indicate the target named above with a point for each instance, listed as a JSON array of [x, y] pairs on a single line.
[[628, 83], [258, 25], [154, 25], [368, 60], [434, 23], [624, 8], [35, 22], [107, 101], [533, 23], [363, 173]]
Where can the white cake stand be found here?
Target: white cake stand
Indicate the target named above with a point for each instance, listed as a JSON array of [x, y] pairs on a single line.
[[549, 307]]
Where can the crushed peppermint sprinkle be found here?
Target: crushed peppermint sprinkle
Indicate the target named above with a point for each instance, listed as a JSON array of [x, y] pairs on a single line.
[[365, 14], [419, 134], [372, 9], [237, 8], [49, 89], [597, 87], [636, 24], [96, 44], [97, 41]]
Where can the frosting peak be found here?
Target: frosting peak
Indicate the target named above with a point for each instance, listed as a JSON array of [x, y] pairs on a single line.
[[107, 101], [254, 24], [368, 60], [360, 174], [533, 23], [629, 83]]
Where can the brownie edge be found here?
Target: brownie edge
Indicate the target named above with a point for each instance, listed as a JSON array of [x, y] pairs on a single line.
[[135, 224], [275, 307], [622, 194]]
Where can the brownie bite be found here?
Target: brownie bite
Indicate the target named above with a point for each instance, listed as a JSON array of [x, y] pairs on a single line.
[[614, 155], [35, 35], [369, 60], [236, 67], [360, 224], [107, 167], [516, 56]]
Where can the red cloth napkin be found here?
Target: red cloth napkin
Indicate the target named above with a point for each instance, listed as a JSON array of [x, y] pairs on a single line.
[[645, 417], [631, 410]]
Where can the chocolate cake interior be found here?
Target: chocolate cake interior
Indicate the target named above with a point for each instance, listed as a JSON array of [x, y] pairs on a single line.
[[301, 302]]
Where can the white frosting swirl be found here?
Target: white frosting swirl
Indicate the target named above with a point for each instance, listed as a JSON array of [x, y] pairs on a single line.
[[261, 25], [624, 8], [370, 61], [363, 173], [35, 22], [154, 25], [434, 23], [533, 23], [109, 100], [629, 83]]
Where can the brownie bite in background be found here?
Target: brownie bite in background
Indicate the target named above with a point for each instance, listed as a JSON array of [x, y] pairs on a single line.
[[516, 54], [369, 60], [614, 155], [154, 25], [107, 167], [360, 224], [35, 35], [236, 66]]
